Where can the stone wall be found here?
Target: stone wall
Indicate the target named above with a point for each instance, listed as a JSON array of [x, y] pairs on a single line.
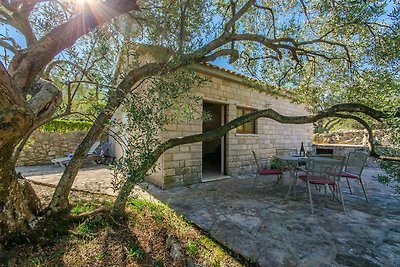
[[351, 137], [45, 146], [344, 141]]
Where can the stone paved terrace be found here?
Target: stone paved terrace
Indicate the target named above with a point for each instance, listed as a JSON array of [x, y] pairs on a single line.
[[273, 231]]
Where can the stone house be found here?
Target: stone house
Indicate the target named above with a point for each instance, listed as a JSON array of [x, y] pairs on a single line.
[[226, 96]]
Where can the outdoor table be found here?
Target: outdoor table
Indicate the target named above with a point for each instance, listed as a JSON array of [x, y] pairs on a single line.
[[293, 161]]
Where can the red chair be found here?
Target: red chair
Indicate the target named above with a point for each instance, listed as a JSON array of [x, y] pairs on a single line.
[[263, 170], [353, 168], [324, 172]]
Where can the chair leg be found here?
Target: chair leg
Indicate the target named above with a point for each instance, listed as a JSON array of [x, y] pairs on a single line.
[[290, 189], [255, 181], [348, 183], [362, 186], [341, 197], [309, 195]]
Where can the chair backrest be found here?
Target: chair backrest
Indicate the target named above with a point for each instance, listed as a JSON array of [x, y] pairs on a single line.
[[255, 158], [325, 169], [331, 156], [93, 148], [106, 145], [262, 163], [355, 162], [285, 151]]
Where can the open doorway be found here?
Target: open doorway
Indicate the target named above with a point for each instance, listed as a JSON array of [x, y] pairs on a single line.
[[213, 151]]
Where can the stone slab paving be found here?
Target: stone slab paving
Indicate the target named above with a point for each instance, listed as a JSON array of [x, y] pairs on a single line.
[[264, 226], [273, 231]]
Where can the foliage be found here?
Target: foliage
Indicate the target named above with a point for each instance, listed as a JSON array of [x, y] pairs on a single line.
[[135, 252], [82, 207], [197, 245], [63, 126], [192, 247], [392, 168]]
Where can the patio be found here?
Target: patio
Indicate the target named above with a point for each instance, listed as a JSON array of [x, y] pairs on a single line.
[[262, 225]]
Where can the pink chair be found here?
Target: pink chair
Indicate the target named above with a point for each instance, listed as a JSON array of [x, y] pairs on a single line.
[[324, 172], [353, 168], [261, 170]]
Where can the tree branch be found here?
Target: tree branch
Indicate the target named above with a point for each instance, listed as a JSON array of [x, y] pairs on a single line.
[[53, 64], [271, 11], [46, 100], [238, 15], [119, 204], [26, 65], [232, 53], [9, 93]]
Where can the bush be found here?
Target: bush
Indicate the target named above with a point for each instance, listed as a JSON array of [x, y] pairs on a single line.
[[64, 126], [392, 168]]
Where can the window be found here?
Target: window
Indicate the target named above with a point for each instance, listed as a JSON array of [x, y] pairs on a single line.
[[249, 127]]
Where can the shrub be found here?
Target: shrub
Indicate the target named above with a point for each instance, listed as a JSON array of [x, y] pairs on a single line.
[[64, 126]]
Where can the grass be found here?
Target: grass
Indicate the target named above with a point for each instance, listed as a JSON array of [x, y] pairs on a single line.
[[143, 241]]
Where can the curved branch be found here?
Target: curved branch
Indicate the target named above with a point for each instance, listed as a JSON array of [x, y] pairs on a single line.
[[119, 204], [19, 20], [371, 146], [268, 113], [350, 107], [271, 11], [12, 46], [53, 64]]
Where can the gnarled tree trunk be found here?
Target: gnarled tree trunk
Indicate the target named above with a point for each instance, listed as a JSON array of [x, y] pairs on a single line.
[[18, 113], [18, 201]]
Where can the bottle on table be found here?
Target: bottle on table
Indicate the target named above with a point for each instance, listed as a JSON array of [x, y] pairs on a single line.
[[302, 151]]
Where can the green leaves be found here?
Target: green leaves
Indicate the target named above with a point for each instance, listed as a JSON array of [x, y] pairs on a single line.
[[63, 126]]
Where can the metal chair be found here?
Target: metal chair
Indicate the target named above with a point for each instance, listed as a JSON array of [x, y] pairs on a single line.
[[353, 168], [285, 152], [265, 171], [325, 173]]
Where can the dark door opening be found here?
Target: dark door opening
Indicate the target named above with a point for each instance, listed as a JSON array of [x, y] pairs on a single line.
[[213, 151]]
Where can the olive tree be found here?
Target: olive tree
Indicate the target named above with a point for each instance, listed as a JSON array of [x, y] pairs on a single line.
[[260, 35]]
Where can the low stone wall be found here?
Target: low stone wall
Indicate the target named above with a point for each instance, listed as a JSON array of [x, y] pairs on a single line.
[[352, 137], [42, 147], [344, 141]]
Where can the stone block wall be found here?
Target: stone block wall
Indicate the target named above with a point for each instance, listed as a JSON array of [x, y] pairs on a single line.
[[183, 164], [352, 137], [42, 147]]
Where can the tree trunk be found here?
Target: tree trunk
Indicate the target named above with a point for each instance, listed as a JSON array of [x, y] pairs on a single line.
[[118, 209], [18, 201], [60, 202]]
